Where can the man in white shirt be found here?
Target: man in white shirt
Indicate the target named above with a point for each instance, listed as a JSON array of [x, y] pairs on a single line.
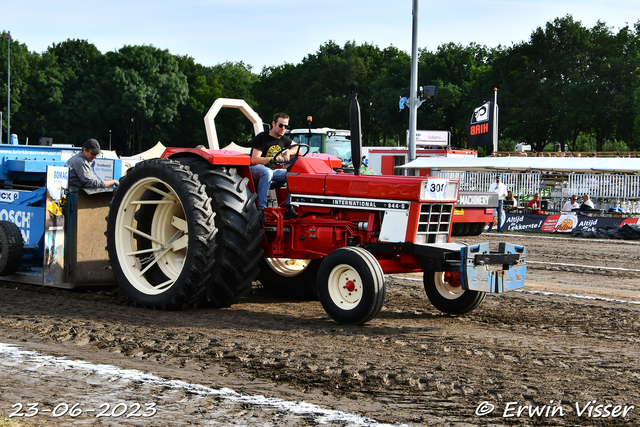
[[587, 203], [570, 205], [499, 188]]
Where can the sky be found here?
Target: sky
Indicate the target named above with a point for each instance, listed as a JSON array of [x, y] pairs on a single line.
[[265, 33]]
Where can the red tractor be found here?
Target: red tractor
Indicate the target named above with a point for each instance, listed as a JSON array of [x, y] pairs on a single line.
[[186, 229]]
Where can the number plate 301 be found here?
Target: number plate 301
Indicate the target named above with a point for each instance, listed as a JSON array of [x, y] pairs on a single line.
[[434, 189]]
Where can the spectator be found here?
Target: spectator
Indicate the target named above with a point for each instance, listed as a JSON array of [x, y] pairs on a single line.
[[510, 201], [80, 173], [499, 188], [534, 204], [587, 203], [572, 204]]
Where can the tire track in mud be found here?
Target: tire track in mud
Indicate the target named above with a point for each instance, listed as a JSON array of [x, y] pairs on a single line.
[[409, 365], [149, 397]]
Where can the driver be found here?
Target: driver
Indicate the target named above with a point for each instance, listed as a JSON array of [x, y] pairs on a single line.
[[266, 145]]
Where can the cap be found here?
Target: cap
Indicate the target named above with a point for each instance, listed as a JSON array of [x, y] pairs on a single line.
[[92, 145]]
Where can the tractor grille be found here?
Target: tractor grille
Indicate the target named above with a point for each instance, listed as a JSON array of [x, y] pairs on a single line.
[[434, 222]]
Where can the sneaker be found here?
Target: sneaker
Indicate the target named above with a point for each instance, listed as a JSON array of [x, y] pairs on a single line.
[[290, 213]]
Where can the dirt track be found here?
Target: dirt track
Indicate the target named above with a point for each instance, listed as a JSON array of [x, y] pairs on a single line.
[[410, 365]]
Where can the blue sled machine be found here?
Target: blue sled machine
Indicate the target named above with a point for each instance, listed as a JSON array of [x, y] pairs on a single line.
[[39, 234]]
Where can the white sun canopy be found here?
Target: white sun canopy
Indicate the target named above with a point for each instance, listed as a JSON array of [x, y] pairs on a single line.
[[528, 164]]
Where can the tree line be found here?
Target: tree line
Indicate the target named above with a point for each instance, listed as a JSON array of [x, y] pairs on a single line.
[[567, 84]]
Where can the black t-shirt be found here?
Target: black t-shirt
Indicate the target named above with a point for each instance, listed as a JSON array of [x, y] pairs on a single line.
[[270, 145]]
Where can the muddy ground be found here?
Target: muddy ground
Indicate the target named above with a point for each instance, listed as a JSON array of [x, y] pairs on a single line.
[[411, 365]]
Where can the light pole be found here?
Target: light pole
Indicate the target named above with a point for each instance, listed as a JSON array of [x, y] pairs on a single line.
[[413, 112], [8, 36]]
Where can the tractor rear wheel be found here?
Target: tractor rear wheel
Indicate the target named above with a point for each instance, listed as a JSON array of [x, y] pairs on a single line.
[[237, 219], [477, 228], [456, 229], [11, 247], [160, 235], [444, 290], [292, 278], [351, 285]]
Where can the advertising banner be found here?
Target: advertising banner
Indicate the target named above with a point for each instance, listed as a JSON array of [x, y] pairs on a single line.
[[561, 223], [103, 168], [54, 255]]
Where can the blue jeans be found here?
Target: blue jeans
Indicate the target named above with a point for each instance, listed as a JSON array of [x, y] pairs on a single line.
[[264, 176], [499, 213]]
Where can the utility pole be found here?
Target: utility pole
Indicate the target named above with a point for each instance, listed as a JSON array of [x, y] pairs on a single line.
[[8, 36], [413, 98]]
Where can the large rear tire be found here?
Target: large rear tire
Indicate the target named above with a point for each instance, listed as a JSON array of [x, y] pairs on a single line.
[[291, 278], [455, 229], [477, 228], [237, 219], [445, 292], [160, 235], [11, 248], [351, 285]]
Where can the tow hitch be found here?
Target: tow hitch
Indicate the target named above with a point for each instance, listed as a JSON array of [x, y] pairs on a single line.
[[482, 270]]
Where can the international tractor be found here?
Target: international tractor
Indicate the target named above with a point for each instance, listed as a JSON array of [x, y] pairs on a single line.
[[185, 228]]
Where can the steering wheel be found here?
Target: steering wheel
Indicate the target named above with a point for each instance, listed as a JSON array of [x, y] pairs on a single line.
[[293, 159]]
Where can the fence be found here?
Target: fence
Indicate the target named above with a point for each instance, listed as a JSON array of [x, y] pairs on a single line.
[[607, 190]]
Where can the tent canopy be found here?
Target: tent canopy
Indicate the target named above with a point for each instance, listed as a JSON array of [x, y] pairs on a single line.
[[528, 164]]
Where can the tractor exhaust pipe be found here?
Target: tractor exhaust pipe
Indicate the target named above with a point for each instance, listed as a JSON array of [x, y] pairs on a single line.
[[355, 129]]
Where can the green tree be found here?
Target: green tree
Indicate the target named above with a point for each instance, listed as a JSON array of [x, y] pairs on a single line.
[[64, 99], [462, 78], [206, 84], [320, 86], [80, 115], [21, 61], [203, 89], [613, 78], [236, 81], [146, 89], [603, 84], [394, 74]]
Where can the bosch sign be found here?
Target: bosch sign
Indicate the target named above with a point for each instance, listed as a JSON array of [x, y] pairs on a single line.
[[20, 218]]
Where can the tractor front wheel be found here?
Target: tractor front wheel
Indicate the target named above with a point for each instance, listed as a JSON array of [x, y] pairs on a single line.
[[444, 290], [351, 285]]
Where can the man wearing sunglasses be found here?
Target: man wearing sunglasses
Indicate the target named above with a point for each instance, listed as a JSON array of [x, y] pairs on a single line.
[[568, 208], [266, 146]]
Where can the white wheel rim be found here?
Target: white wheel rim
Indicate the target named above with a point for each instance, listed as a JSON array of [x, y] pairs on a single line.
[[445, 288], [345, 287], [169, 237], [288, 267]]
